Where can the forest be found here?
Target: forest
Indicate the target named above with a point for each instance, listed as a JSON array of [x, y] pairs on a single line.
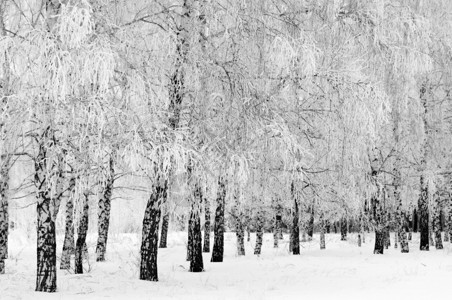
[[204, 130]]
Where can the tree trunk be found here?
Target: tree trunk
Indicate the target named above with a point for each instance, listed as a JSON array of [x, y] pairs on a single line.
[[275, 237], [277, 233], [104, 211], [343, 229], [189, 238], [47, 203], [46, 276], [69, 243], [446, 223], [295, 224], [218, 243], [403, 236], [81, 236], [164, 231], [400, 234], [291, 240], [240, 234], [378, 219], [415, 217], [387, 241], [5, 159], [423, 198], [437, 222], [259, 232], [196, 262], [379, 241], [322, 232], [361, 229], [423, 216], [450, 219], [206, 246], [350, 227], [150, 235], [430, 228], [46, 247], [4, 216], [310, 229], [401, 220]]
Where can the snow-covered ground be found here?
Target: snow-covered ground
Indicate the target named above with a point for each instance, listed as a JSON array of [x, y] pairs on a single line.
[[342, 271]]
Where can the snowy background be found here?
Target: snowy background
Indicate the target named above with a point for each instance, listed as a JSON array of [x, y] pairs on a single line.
[[342, 271]]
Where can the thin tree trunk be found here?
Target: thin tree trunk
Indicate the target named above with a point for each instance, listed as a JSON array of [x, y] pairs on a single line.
[[218, 243], [387, 242], [5, 162], [196, 262], [423, 198], [164, 231], [379, 241], [322, 232], [410, 224], [81, 236], [360, 229], [430, 230], [150, 235], [400, 234], [4, 216], [259, 232], [378, 218], [400, 221], [277, 226], [310, 229], [104, 211], [450, 218], [206, 246], [291, 240], [446, 223], [423, 216], [403, 236], [295, 224], [450, 229], [275, 237], [437, 222], [69, 242], [46, 273], [350, 226], [240, 234], [46, 276], [415, 217], [343, 229], [46, 247]]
